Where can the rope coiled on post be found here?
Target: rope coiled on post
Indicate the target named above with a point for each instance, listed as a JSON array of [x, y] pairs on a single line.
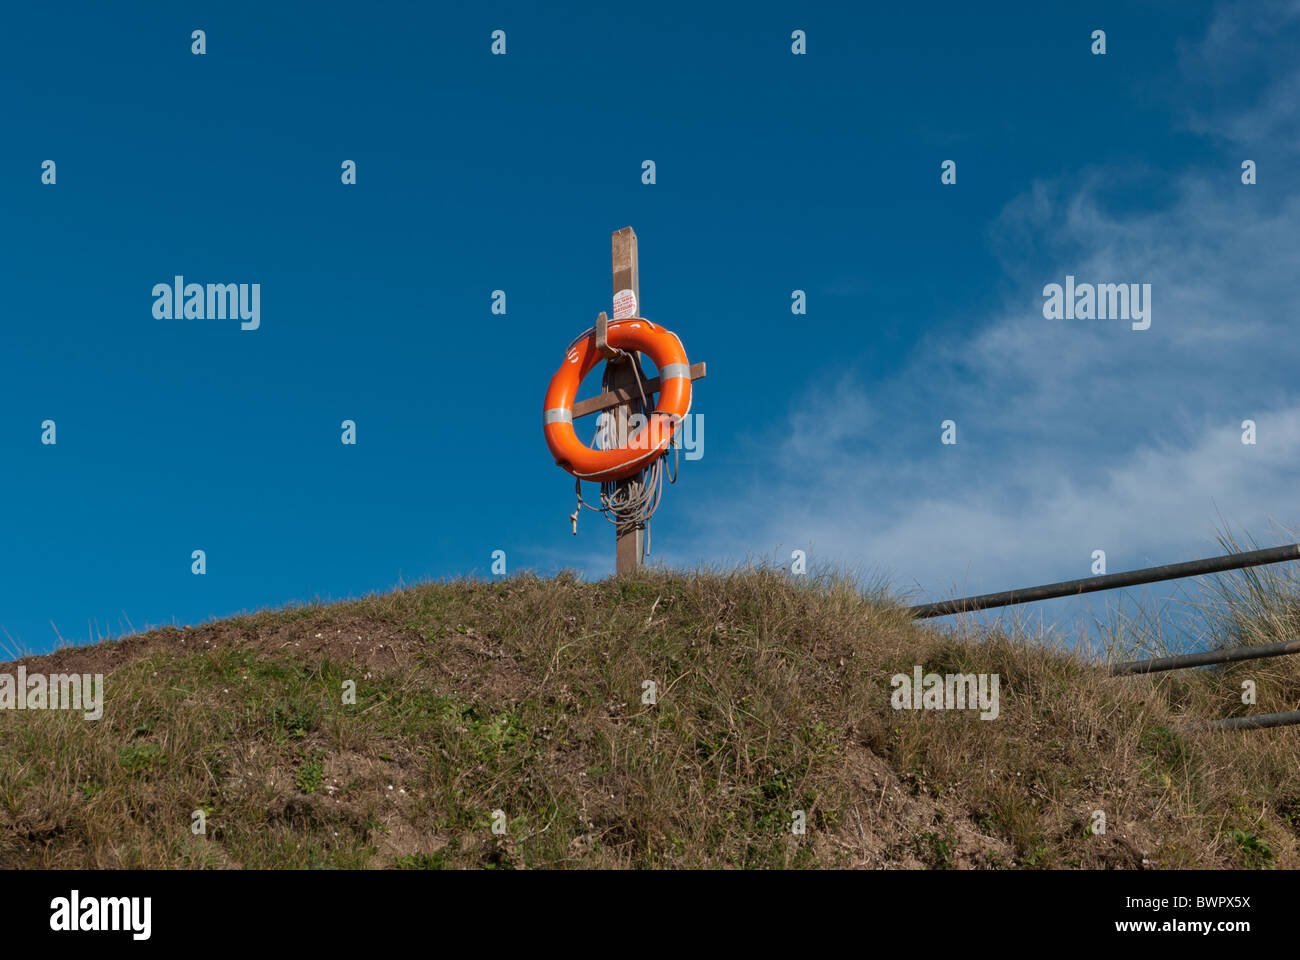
[[630, 502]]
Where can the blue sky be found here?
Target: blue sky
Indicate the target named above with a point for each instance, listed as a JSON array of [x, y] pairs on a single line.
[[775, 172]]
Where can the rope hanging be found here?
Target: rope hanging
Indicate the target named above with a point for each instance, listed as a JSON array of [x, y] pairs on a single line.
[[635, 501]]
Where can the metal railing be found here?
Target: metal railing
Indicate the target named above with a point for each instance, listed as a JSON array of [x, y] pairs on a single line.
[[1109, 581], [1224, 655], [1133, 578]]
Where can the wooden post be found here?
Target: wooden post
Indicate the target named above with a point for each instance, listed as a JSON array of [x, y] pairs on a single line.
[[629, 538], [620, 392]]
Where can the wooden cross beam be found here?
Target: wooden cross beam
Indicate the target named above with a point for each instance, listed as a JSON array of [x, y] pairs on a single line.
[[583, 408]]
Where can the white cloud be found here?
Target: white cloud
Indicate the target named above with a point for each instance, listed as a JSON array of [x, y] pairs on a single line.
[[1245, 92], [1073, 435]]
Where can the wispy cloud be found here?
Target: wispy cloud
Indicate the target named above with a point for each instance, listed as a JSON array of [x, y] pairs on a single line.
[[1246, 92], [1084, 434]]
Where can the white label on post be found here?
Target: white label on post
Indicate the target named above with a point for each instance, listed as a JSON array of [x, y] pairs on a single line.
[[624, 304]]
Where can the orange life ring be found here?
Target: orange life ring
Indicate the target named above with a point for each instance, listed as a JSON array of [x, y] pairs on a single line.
[[650, 440]]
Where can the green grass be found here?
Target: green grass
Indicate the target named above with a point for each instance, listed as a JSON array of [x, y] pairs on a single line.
[[525, 696]]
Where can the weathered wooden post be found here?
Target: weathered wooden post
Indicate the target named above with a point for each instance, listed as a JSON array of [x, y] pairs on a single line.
[[633, 445], [629, 538]]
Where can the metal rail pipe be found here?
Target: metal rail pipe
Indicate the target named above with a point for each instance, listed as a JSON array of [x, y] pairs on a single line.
[[1110, 581], [1257, 722], [1225, 655]]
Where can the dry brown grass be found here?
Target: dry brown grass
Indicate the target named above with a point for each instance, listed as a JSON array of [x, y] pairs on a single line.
[[525, 696]]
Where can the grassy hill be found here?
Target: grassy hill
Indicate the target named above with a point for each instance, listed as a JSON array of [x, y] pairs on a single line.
[[525, 696]]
